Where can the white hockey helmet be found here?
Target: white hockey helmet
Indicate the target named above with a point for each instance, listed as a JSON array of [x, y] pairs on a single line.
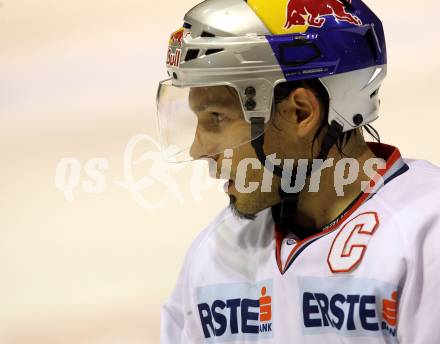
[[254, 45]]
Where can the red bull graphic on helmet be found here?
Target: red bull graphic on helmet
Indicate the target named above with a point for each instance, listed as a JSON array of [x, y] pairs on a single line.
[[313, 13], [175, 47], [176, 38], [173, 58]]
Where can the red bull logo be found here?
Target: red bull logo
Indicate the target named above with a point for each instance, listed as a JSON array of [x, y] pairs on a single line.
[[176, 38], [175, 48], [313, 13], [173, 59]]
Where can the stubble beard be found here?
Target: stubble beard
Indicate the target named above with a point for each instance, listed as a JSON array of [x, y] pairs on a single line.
[[237, 212]]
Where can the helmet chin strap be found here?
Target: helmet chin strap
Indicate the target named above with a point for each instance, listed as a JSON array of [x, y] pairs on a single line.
[[288, 206]]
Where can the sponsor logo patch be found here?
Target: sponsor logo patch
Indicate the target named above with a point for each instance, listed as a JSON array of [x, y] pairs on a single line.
[[173, 58], [314, 13], [174, 53], [236, 312], [348, 306]]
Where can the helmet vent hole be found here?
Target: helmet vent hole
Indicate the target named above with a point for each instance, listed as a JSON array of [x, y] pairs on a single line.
[[298, 53], [207, 34], [191, 54], [213, 51], [374, 94], [371, 38]]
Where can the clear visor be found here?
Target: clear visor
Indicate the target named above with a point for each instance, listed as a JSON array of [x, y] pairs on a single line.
[[198, 122]]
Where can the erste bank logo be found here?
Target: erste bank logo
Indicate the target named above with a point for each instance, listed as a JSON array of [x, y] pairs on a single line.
[[389, 314], [236, 312], [348, 306]]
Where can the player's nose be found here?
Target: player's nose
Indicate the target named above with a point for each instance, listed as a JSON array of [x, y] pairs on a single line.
[[201, 147]]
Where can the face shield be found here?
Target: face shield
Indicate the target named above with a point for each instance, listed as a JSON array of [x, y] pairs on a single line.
[[204, 121]]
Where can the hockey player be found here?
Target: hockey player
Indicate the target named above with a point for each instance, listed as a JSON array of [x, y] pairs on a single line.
[[273, 91]]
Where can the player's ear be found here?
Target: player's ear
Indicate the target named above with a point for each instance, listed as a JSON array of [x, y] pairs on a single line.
[[306, 111]]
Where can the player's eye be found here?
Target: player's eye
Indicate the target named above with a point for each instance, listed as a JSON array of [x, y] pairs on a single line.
[[213, 121], [218, 117]]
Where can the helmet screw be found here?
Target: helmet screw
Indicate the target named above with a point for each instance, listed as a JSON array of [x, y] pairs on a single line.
[[250, 104], [358, 119], [250, 92]]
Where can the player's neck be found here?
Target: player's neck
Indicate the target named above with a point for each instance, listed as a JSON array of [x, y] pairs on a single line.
[[317, 209]]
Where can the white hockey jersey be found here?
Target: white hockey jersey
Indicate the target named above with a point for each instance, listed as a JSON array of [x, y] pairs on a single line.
[[372, 277]]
